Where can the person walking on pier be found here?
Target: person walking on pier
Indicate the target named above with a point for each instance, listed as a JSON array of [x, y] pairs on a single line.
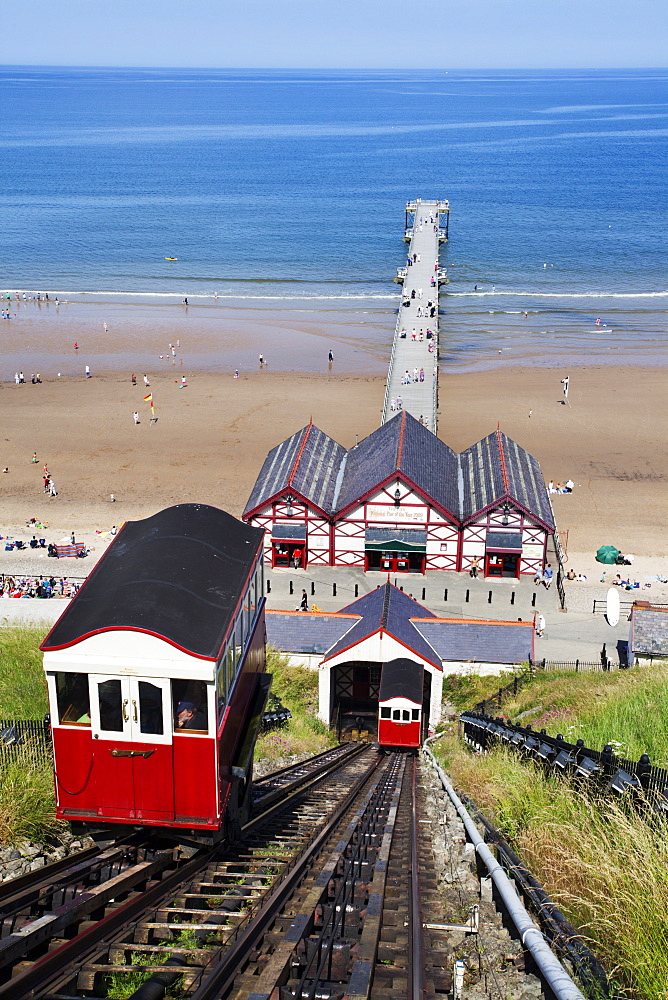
[[400, 403]]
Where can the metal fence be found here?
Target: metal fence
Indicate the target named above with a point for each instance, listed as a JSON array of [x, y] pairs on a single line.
[[31, 737], [618, 774]]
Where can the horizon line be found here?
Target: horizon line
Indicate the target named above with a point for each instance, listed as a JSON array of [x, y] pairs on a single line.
[[342, 69]]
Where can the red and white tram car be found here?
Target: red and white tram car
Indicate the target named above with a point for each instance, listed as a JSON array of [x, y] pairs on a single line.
[[400, 704], [156, 678]]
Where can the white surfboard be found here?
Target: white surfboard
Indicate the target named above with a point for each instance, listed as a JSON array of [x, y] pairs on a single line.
[[612, 611]]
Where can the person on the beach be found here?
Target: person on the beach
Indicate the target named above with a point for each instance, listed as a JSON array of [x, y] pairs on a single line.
[[330, 356], [22, 378], [133, 378], [52, 488], [146, 381], [34, 457], [135, 416], [261, 359], [185, 301], [236, 373], [88, 371], [105, 327]]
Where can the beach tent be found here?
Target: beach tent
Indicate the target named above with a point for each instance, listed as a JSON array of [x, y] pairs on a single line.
[[607, 554]]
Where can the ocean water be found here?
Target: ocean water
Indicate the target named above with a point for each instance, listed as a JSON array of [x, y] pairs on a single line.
[[284, 190]]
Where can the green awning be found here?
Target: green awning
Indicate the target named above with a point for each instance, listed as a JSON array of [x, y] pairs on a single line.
[[395, 540]]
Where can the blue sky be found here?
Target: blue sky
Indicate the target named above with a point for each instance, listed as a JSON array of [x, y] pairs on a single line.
[[344, 34]]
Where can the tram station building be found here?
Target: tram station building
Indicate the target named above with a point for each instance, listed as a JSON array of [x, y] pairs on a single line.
[[349, 647], [402, 501]]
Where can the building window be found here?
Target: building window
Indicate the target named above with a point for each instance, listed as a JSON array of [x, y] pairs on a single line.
[[386, 713], [416, 714]]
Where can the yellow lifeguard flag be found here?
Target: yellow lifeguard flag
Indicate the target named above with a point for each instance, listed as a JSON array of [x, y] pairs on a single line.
[[149, 398]]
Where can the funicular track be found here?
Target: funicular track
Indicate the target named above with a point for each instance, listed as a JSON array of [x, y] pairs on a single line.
[[334, 892]]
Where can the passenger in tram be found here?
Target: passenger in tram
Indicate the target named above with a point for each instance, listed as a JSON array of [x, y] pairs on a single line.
[[189, 717]]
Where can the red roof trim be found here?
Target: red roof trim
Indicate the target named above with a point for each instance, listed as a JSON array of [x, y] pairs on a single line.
[[400, 443], [407, 481], [125, 628], [471, 621], [300, 452], [502, 458], [275, 497], [369, 635]]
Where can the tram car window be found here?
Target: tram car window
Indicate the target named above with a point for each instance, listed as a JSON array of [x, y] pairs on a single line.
[[156, 680], [400, 704], [73, 699]]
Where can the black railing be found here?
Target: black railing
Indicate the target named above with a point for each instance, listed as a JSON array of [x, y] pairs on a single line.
[[618, 774]]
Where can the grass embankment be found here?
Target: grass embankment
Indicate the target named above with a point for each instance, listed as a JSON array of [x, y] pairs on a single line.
[[605, 867], [27, 801], [297, 687]]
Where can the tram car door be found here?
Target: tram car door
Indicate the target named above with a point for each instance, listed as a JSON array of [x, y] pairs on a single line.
[[400, 704]]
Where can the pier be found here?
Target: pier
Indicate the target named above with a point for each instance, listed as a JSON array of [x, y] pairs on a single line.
[[412, 380]]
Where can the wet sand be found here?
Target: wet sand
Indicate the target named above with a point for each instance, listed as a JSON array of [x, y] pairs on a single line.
[[211, 438]]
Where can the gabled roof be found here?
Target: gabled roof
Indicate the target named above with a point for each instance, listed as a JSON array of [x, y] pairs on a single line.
[[497, 468], [308, 463], [300, 632], [402, 444], [478, 641], [178, 575], [389, 609]]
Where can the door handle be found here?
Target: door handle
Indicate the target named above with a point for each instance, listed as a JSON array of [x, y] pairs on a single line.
[[126, 717], [134, 710], [131, 753]]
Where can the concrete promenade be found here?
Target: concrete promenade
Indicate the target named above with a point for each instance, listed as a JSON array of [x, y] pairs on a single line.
[[412, 381]]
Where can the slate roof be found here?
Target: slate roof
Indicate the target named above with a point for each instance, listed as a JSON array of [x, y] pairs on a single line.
[[402, 444], [650, 631], [178, 575], [497, 467], [308, 462], [297, 632], [478, 642], [315, 466], [388, 608]]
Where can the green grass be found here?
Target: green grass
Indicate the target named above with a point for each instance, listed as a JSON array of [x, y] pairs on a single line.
[[627, 708], [22, 682], [603, 865], [27, 800], [297, 687]]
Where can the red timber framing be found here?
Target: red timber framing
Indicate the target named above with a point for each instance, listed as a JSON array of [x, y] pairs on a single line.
[[533, 552], [396, 504]]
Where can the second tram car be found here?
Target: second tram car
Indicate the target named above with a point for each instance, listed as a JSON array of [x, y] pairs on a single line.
[[400, 704], [156, 679]]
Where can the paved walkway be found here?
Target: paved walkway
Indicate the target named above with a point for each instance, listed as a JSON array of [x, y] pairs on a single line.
[[412, 381], [576, 634]]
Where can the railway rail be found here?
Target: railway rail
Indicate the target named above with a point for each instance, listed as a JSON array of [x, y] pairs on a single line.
[[337, 889]]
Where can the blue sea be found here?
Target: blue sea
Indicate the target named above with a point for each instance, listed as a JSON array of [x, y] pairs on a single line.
[[285, 190]]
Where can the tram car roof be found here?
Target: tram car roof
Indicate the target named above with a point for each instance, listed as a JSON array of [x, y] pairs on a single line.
[[178, 575], [401, 678]]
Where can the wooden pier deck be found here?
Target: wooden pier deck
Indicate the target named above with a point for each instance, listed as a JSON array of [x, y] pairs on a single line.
[[412, 380]]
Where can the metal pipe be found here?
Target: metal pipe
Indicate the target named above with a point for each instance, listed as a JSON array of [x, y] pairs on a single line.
[[550, 968]]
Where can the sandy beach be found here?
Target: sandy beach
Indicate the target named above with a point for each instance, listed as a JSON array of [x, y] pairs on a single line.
[[211, 437]]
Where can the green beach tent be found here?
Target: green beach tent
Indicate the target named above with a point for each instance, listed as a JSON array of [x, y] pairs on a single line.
[[607, 554]]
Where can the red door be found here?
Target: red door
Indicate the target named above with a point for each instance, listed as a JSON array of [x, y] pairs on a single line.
[[132, 747]]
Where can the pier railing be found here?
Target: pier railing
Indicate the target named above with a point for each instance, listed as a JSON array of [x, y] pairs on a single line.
[[390, 369]]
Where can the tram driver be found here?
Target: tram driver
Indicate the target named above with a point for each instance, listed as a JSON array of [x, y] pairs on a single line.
[[189, 717]]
